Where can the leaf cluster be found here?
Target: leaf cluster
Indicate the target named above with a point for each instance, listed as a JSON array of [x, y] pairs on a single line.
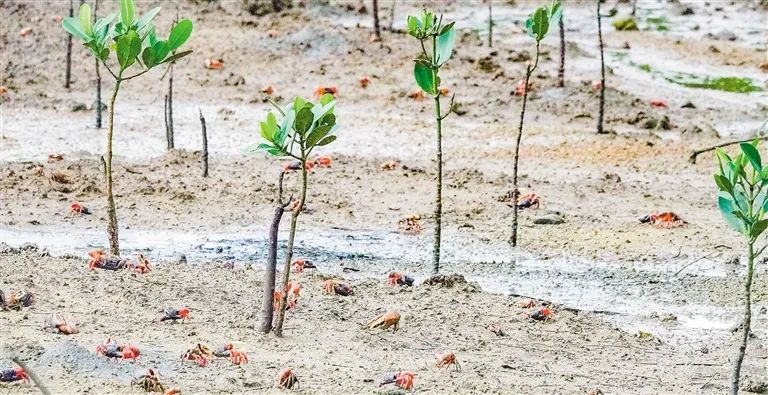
[[538, 23], [303, 127], [743, 190], [427, 66], [132, 40]]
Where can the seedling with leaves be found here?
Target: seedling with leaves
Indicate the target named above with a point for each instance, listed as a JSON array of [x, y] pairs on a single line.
[[436, 42], [537, 26], [743, 200], [303, 127], [135, 46]]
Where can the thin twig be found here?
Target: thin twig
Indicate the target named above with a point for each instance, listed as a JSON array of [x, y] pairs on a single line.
[[717, 250], [32, 375]]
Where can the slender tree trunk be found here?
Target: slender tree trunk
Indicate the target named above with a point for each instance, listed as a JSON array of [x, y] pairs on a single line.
[[376, 27], [392, 15], [515, 192], [746, 322], [169, 113], [601, 112], [490, 23], [205, 144], [114, 246], [561, 70], [98, 75], [68, 71], [289, 249], [165, 118], [267, 308], [439, 194]]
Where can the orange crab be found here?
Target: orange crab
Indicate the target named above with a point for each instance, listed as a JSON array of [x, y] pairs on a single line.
[[57, 322], [336, 287], [410, 225], [364, 81], [323, 161], [299, 265], [663, 220], [540, 314], [214, 64], [237, 357], [444, 91], [403, 380], [143, 267], [269, 90], [10, 375], [396, 278], [321, 90], [19, 299], [390, 165], [294, 289], [385, 321], [76, 208], [200, 354], [526, 303], [55, 158], [446, 359], [658, 103], [520, 88], [286, 379], [111, 349], [529, 200], [150, 381], [100, 260], [172, 314], [417, 95], [294, 166], [276, 298]]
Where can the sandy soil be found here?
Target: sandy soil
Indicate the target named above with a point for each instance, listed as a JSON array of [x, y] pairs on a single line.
[[600, 184]]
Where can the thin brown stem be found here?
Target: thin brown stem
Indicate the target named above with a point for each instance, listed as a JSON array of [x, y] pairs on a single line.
[[267, 308], [112, 230], [601, 112], [746, 321], [205, 143], [376, 27], [561, 70], [68, 70]]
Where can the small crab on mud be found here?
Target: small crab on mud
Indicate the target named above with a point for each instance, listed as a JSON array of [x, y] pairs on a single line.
[[299, 265], [294, 289], [78, 209], [112, 349], [397, 278], [286, 379], [336, 287], [385, 321], [323, 161], [10, 375], [149, 381], [175, 314], [446, 359], [540, 314], [17, 300], [321, 90], [235, 356], [403, 380], [666, 220], [200, 354], [58, 324], [100, 260], [295, 166], [529, 200], [410, 225]]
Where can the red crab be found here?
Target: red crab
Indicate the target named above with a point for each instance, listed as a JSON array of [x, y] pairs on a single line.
[[444, 91], [323, 161], [150, 381], [663, 220], [77, 208], [286, 379], [9, 375], [403, 380], [416, 95], [100, 260], [446, 359], [658, 103], [410, 225], [321, 90], [526, 303], [300, 264], [520, 88], [529, 200], [364, 81], [143, 267], [176, 314], [214, 64], [540, 314], [18, 300], [55, 158], [276, 298], [57, 322], [269, 90], [390, 165], [237, 357], [294, 289], [200, 354], [385, 321], [336, 287], [396, 278], [111, 349], [294, 166]]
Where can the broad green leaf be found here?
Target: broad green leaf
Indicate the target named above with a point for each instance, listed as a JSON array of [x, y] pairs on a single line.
[[304, 119], [447, 27], [85, 19], [754, 157], [537, 24], [298, 103], [127, 13], [317, 134], [128, 47], [104, 22], [758, 228], [179, 34], [320, 110], [328, 119], [413, 25], [741, 201], [264, 147], [555, 13], [723, 183], [104, 54], [326, 141], [272, 125], [425, 78], [176, 56], [148, 57], [147, 17], [72, 26], [445, 45], [266, 132], [726, 208], [326, 98]]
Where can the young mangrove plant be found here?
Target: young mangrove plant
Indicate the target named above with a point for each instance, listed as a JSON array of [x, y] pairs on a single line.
[[743, 200], [436, 42], [303, 127], [134, 43], [537, 26]]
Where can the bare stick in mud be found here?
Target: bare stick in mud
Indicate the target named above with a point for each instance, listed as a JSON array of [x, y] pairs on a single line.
[[32, 375], [601, 110], [698, 152], [490, 23], [205, 143], [98, 74], [561, 70], [376, 27], [392, 15], [634, 7], [68, 70], [267, 309], [165, 118]]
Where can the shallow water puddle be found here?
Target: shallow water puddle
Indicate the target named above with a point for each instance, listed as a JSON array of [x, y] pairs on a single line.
[[632, 297]]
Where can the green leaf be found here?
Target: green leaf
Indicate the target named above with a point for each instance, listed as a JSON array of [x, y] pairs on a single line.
[[272, 125], [326, 98], [317, 134], [447, 27], [179, 34], [176, 56], [127, 13], [298, 103], [148, 57], [147, 17], [555, 13], [425, 78], [445, 45], [72, 26], [537, 24], [328, 119], [326, 141], [726, 208], [753, 155], [128, 47], [723, 183], [85, 19], [304, 119], [758, 228], [413, 25]]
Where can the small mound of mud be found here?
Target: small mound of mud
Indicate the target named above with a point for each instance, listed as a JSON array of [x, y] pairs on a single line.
[[451, 281]]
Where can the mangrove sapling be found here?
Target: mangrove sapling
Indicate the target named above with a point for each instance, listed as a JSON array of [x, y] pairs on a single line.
[[743, 201], [68, 70], [376, 27], [205, 143], [304, 127], [439, 38], [169, 99], [134, 42], [561, 70], [537, 26], [601, 111], [267, 308]]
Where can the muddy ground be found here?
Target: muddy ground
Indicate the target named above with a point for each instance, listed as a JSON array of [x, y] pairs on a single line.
[[599, 184]]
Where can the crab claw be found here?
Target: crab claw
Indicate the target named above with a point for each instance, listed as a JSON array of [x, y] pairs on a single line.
[[143, 267], [13, 374], [386, 320], [446, 359], [238, 357], [286, 379], [403, 380], [96, 257]]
